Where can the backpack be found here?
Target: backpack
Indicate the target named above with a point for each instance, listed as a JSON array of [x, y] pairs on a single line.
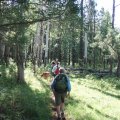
[[61, 83], [57, 71]]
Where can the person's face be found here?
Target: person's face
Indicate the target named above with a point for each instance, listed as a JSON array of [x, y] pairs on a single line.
[[53, 65]]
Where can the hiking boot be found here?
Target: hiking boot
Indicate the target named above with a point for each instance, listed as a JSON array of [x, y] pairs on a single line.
[[59, 118], [63, 117], [62, 114]]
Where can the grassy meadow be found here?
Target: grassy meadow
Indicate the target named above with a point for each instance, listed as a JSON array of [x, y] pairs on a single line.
[[91, 98]]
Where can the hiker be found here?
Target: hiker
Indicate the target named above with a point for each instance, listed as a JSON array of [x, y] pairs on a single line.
[[53, 63], [61, 88], [55, 69]]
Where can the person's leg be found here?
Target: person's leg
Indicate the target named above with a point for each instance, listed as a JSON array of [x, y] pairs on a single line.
[[58, 111], [58, 104], [62, 102], [62, 111], [62, 105]]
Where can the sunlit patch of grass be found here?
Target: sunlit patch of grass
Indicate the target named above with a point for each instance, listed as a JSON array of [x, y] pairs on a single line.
[[28, 101], [93, 99], [32, 81], [81, 111]]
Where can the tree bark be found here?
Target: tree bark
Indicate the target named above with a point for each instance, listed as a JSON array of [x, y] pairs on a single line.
[[81, 33], [47, 40], [113, 17], [7, 54], [2, 50], [20, 65], [73, 46]]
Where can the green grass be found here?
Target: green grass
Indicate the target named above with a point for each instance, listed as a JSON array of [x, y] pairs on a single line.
[[29, 101], [94, 99], [91, 98]]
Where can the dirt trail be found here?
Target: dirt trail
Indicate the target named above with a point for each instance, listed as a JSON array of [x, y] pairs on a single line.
[[103, 102], [53, 109]]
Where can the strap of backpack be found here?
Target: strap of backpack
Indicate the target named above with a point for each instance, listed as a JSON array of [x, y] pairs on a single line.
[[61, 76]]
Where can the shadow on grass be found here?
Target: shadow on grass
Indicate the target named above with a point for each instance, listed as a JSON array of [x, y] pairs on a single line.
[[37, 106], [105, 115], [100, 90], [75, 102], [106, 93], [20, 102]]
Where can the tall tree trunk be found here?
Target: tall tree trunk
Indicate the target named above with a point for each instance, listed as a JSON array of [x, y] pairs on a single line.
[[113, 18], [7, 54], [94, 50], [85, 49], [73, 45], [38, 45], [47, 40], [42, 33], [113, 14], [69, 55], [20, 65], [2, 50], [81, 34]]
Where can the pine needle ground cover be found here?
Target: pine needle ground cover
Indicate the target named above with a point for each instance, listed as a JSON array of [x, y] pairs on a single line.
[[91, 98]]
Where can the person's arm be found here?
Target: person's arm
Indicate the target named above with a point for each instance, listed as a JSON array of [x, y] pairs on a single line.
[[53, 84], [68, 85], [54, 68]]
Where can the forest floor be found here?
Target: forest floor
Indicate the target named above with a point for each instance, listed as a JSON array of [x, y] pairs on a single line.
[[91, 98]]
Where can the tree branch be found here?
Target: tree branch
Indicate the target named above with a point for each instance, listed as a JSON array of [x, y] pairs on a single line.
[[25, 22]]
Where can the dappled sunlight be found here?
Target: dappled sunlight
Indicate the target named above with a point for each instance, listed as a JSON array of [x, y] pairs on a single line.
[[90, 99], [32, 81], [99, 101]]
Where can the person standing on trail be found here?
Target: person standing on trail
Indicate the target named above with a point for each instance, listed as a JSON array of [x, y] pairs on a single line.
[[55, 69], [53, 63], [61, 87]]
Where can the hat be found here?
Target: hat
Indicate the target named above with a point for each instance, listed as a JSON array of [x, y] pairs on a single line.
[[53, 62], [62, 70]]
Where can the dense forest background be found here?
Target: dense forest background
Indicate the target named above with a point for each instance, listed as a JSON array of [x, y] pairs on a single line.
[[75, 32]]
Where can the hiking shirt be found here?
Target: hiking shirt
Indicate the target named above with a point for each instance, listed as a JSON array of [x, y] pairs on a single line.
[[54, 68], [51, 71], [68, 83]]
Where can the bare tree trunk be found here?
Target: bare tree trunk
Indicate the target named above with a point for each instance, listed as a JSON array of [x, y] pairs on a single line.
[[113, 14], [47, 40], [38, 45], [73, 46], [85, 49], [113, 17], [69, 56], [94, 50], [7, 54], [42, 33], [81, 34], [20, 65], [2, 50]]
